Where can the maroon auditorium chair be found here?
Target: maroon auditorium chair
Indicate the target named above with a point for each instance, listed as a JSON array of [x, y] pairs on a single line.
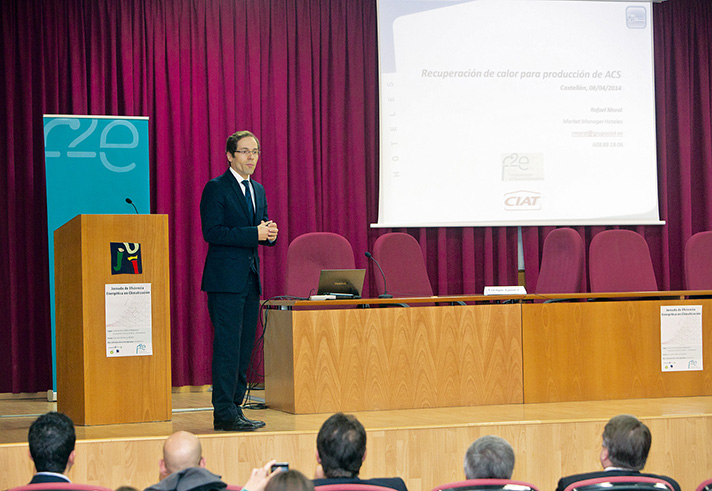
[[308, 254], [351, 487], [698, 262], [59, 486], [621, 483], [562, 263], [487, 485], [705, 485], [403, 265], [619, 261]]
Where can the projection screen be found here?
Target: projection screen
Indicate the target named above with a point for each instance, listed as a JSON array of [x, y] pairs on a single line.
[[516, 112]]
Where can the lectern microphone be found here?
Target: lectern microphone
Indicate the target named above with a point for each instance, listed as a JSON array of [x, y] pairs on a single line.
[[128, 200]]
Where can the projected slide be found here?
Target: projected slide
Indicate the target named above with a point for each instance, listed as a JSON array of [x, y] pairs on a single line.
[[516, 113]]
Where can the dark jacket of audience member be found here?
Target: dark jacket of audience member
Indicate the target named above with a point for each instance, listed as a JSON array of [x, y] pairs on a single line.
[[190, 479]]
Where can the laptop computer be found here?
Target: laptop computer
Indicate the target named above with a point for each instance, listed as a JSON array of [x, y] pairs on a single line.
[[342, 283]]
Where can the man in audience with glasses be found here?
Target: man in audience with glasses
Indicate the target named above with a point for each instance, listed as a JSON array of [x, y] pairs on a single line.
[[624, 451]]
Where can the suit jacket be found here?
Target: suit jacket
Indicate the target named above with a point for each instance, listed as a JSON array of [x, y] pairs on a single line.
[[565, 481], [389, 482], [190, 478], [230, 232], [43, 478]]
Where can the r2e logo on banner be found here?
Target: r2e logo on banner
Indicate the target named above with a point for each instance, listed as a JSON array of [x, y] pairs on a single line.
[[75, 124]]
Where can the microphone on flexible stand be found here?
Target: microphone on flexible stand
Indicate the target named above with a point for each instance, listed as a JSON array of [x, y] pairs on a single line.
[[128, 200], [385, 293]]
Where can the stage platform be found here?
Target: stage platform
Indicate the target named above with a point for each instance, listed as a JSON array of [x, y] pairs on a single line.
[[424, 446]]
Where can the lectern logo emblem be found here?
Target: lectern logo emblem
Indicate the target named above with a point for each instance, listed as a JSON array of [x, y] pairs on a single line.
[[126, 258]]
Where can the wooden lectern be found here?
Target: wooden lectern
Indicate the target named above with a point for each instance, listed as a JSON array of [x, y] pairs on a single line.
[[94, 388]]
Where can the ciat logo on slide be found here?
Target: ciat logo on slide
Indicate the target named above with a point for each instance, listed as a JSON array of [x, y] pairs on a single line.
[[522, 201]]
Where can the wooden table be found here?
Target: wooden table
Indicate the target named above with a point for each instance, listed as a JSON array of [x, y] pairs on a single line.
[[353, 359], [584, 351], [338, 355]]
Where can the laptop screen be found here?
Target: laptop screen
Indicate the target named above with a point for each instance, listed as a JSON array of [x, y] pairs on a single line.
[[341, 282]]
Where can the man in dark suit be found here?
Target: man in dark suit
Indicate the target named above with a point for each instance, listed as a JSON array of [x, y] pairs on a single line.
[[624, 451], [233, 213], [51, 439], [340, 451]]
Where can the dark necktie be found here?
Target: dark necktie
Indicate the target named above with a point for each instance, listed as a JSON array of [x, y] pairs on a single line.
[[248, 198], [251, 209]]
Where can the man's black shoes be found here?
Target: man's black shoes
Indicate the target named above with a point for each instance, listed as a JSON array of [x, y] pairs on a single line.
[[253, 422], [237, 424], [240, 423]]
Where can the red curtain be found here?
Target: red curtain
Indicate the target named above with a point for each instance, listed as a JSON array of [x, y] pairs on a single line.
[[301, 74]]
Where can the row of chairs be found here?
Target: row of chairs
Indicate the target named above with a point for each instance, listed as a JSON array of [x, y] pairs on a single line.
[[619, 261], [398, 254], [613, 483]]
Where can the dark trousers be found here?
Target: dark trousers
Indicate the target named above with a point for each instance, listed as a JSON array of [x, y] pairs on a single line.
[[234, 318]]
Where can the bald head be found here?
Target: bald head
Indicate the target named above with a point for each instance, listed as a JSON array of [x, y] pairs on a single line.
[[180, 451]]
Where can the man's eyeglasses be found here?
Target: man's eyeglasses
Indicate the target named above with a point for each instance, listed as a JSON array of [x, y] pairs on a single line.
[[245, 151]]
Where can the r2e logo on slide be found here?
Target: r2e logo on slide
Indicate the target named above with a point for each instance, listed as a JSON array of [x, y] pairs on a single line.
[[522, 201]]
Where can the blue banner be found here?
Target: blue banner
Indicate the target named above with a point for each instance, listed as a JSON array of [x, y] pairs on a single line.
[[93, 165]]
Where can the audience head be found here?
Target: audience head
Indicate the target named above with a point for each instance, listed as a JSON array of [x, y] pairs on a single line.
[[51, 439], [626, 443], [341, 446], [489, 457], [181, 450], [291, 480]]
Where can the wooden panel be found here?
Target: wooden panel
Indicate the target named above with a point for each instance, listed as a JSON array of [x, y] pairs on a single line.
[[394, 358], [69, 304], [279, 360], [604, 350], [116, 389], [424, 447]]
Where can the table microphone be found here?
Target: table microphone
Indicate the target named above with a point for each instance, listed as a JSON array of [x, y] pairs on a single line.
[[385, 293]]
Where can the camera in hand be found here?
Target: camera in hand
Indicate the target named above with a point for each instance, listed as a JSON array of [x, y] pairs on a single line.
[[282, 466]]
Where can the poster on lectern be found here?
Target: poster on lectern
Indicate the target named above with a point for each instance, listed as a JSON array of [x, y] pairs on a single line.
[[681, 338], [128, 319]]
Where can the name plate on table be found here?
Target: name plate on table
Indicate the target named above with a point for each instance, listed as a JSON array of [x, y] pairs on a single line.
[[505, 290]]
